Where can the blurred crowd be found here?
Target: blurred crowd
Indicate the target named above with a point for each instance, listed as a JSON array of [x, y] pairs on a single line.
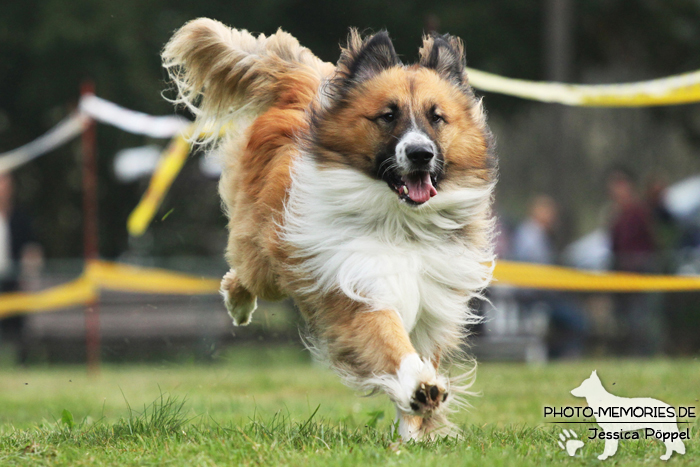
[[639, 235]]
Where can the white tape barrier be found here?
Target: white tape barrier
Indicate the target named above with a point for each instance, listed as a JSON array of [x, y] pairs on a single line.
[[93, 107], [66, 130], [129, 120], [672, 90]]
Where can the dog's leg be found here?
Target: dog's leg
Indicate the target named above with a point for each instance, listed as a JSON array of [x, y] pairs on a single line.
[[376, 351], [675, 445], [679, 446], [409, 425], [669, 450], [239, 302], [609, 450], [420, 427]]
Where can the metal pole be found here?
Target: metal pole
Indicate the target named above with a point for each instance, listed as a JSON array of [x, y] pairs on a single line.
[[90, 235]]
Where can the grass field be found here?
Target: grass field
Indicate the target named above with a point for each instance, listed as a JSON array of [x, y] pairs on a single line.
[[273, 407]]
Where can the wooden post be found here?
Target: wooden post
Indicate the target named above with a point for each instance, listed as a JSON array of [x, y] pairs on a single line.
[[90, 234], [559, 23], [558, 39]]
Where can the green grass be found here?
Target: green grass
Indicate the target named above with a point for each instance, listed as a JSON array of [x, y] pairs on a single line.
[[273, 407]]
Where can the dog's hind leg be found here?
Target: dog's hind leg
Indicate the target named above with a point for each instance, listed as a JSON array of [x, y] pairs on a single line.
[[673, 445], [239, 302], [609, 450], [669, 450], [678, 446]]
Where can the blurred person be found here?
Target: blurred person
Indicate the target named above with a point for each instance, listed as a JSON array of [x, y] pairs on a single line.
[[631, 228], [634, 249], [21, 259], [533, 243], [666, 231]]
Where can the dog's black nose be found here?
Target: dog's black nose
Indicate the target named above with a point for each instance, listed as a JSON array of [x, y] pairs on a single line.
[[419, 154]]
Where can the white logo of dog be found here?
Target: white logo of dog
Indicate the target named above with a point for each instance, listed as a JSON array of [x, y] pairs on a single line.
[[613, 424]]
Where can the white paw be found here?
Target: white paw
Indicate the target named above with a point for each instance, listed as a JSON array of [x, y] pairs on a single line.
[[572, 443], [420, 391], [241, 313]]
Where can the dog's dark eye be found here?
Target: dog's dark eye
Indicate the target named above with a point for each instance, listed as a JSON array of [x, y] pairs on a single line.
[[437, 118], [388, 117]]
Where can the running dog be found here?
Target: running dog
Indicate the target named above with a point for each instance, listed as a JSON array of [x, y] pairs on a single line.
[[361, 190]]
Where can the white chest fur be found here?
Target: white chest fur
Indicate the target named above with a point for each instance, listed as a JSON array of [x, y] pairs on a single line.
[[355, 235]]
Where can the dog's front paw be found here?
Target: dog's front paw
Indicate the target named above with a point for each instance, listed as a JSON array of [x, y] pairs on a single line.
[[420, 390], [428, 397]]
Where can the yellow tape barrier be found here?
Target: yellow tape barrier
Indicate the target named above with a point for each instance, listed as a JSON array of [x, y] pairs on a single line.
[[169, 166], [80, 291], [127, 278], [539, 276], [672, 90], [102, 275]]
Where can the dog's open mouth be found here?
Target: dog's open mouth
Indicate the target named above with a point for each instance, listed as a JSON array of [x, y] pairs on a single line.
[[414, 188]]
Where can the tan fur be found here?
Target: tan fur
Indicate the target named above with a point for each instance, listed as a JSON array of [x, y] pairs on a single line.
[[364, 341], [219, 70], [350, 137]]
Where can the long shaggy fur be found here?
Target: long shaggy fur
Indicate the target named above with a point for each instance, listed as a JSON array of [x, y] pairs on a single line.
[[220, 72]]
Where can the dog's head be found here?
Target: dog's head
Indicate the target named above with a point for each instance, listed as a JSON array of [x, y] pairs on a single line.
[[419, 128], [589, 386]]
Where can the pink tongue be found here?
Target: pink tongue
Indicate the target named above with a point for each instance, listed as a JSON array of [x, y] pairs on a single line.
[[420, 188]]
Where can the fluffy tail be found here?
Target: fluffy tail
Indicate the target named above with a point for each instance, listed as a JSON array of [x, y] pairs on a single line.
[[220, 72]]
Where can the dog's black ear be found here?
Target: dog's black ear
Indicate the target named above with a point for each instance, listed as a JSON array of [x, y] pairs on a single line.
[[362, 60], [445, 54]]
